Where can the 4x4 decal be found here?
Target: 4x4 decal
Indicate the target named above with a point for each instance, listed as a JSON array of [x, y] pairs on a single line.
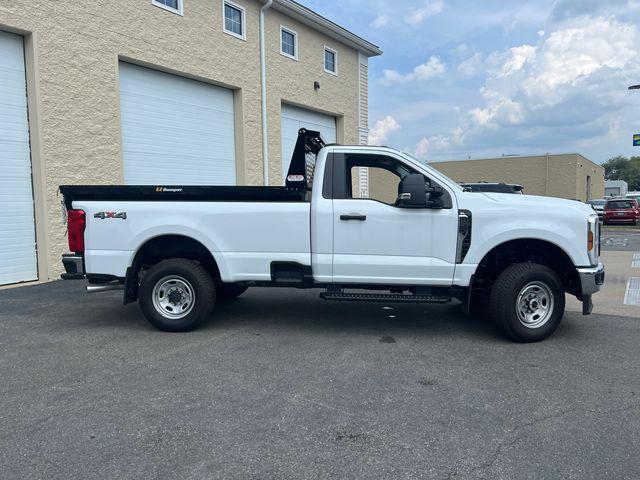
[[103, 215]]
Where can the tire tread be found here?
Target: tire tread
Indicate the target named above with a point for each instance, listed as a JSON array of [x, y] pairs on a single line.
[[202, 284], [501, 302]]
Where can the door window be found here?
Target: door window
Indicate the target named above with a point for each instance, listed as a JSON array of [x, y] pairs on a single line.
[[385, 174]]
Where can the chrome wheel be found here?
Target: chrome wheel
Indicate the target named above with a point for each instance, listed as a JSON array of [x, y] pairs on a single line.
[[173, 297], [535, 304]]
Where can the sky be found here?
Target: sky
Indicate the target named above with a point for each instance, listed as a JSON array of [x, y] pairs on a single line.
[[463, 79]]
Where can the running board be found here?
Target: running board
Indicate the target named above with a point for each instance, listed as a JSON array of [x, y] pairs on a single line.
[[384, 297]]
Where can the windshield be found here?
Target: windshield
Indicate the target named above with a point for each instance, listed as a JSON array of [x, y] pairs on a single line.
[[597, 203], [435, 171]]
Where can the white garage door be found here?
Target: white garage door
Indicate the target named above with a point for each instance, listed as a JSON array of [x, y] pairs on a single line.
[[175, 131], [17, 230], [295, 118]]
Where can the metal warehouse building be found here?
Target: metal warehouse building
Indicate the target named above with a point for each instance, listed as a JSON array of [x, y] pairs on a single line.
[[565, 175], [159, 92]]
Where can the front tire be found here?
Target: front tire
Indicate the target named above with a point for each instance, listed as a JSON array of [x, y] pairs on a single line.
[[177, 295], [527, 302]]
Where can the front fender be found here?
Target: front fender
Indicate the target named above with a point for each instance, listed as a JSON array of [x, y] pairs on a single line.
[[568, 236]]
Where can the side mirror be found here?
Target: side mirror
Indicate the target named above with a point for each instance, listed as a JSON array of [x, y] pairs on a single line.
[[434, 194], [414, 193]]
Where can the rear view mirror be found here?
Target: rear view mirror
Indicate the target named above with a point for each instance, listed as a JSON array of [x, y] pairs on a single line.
[[413, 192]]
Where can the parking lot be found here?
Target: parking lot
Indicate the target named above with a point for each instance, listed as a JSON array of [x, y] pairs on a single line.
[[282, 385]]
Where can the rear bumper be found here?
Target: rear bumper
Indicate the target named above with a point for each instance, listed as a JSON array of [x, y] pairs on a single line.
[[626, 219], [73, 266], [591, 279]]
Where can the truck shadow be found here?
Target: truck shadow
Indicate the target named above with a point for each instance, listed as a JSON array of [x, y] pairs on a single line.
[[303, 309], [274, 310]]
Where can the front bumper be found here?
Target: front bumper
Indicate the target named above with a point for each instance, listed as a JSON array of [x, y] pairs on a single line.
[[73, 266], [591, 279]]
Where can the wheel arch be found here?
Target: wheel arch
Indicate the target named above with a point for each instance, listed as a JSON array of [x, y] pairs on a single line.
[[533, 250], [163, 247]]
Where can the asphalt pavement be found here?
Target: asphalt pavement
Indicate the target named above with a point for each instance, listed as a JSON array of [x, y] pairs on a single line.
[[621, 239], [283, 385]]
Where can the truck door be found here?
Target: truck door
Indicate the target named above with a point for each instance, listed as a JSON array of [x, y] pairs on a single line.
[[378, 242]]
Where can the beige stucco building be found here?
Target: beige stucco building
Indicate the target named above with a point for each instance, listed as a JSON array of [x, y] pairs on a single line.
[[116, 86], [566, 175]]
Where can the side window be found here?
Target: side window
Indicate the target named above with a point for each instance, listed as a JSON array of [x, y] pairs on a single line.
[[384, 173], [288, 43], [383, 185], [233, 19], [174, 6]]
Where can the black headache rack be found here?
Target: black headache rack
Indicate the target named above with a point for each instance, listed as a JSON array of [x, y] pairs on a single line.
[[298, 182], [303, 160]]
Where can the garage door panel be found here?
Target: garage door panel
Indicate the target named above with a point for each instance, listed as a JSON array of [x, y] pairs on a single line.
[[156, 169], [295, 118], [169, 133], [14, 169], [17, 230], [176, 130], [192, 92], [157, 108]]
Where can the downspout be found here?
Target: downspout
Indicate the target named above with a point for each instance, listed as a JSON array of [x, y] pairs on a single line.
[[546, 180], [263, 81]]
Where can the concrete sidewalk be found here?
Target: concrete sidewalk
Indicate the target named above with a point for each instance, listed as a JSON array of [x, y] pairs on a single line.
[[609, 300]]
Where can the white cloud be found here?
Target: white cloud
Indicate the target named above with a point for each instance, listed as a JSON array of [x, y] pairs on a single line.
[[381, 130], [428, 9], [572, 76], [381, 20], [432, 68], [434, 143], [461, 50], [472, 66], [502, 111], [516, 60], [422, 148], [574, 56]]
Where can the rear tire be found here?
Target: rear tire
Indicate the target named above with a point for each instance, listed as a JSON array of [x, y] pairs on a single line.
[[527, 302], [229, 291], [177, 295]]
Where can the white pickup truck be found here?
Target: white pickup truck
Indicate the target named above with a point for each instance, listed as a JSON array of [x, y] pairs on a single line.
[[179, 249]]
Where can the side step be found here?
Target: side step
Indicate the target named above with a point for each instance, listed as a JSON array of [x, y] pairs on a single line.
[[384, 297]]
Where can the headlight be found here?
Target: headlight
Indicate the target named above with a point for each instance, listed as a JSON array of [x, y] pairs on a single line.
[[593, 239]]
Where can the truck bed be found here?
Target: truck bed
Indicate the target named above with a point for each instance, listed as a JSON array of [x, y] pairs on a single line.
[[181, 193]]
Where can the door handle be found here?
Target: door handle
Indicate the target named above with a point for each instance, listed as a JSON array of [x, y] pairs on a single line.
[[360, 218]]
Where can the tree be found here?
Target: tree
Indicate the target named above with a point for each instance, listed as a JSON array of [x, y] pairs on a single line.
[[623, 168]]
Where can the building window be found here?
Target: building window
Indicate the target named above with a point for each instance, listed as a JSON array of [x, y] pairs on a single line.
[[174, 6], [233, 19], [288, 43], [330, 61]]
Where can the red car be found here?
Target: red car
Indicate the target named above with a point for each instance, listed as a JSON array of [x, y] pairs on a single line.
[[622, 210]]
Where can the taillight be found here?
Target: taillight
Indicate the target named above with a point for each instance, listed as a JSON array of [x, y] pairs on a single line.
[[76, 221]]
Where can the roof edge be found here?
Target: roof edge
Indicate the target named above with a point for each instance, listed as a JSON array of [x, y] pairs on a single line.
[[511, 157], [309, 17]]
